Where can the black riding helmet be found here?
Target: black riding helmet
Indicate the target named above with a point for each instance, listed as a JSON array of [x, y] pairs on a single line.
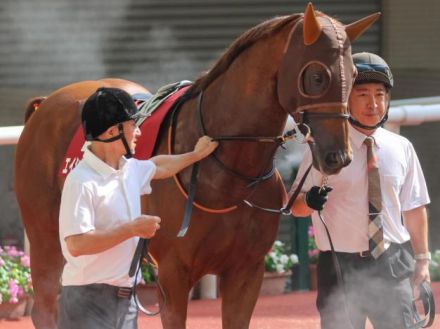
[[372, 68], [105, 108]]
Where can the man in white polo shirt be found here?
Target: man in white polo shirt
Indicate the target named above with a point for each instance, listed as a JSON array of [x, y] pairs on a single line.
[[100, 214], [375, 215]]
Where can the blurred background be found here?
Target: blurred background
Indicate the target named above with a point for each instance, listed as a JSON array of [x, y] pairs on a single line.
[[46, 44]]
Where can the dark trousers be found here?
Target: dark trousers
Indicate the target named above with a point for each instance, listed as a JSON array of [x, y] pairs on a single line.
[[378, 289], [95, 306]]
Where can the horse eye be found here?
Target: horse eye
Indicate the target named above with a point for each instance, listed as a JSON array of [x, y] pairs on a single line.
[[318, 78], [315, 79]]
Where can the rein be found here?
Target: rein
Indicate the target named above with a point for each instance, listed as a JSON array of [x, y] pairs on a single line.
[[141, 254]]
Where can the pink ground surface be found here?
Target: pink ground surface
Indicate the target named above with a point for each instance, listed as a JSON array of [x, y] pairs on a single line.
[[293, 310]]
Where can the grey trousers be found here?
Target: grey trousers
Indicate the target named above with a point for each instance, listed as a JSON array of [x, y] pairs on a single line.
[[371, 289], [95, 306]]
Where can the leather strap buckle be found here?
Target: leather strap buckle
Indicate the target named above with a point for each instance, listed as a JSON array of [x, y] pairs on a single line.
[[365, 254]]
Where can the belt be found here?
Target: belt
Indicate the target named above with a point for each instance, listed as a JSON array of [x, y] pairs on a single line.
[[361, 255], [365, 254], [124, 292]]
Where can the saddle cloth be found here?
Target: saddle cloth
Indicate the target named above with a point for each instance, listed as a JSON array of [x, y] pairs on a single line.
[[155, 107]]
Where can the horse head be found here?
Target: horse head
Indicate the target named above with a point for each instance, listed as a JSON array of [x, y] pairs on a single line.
[[319, 49]]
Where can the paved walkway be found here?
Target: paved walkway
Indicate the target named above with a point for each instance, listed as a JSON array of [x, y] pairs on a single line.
[[294, 310]]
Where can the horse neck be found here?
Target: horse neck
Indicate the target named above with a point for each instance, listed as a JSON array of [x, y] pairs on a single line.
[[244, 102]]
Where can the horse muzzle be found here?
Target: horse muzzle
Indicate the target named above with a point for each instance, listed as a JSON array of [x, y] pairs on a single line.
[[337, 160]]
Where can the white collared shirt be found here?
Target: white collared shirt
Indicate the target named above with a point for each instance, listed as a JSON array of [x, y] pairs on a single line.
[[96, 197], [403, 188]]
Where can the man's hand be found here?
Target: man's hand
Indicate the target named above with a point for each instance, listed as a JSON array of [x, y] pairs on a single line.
[[316, 197], [169, 165], [205, 146], [421, 272], [145, 226]]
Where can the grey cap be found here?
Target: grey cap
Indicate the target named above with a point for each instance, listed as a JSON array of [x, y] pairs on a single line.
[[372, 68]]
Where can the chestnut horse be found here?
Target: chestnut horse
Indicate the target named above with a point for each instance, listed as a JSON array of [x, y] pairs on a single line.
[[288, 65]]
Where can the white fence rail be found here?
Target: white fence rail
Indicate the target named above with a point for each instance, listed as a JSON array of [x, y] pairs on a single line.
[[402, 112], [10, 135]]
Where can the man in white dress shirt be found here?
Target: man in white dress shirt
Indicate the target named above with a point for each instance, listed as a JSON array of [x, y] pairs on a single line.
[[100, 213], [377, 284]]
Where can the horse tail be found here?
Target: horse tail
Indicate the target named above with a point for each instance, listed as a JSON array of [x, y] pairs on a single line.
[[32, 106]]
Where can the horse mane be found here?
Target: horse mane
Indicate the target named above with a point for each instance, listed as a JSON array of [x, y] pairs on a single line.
[[243, 42]]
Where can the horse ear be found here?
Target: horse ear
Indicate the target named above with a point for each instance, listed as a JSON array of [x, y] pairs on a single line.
[[312, 28], [355, 30]]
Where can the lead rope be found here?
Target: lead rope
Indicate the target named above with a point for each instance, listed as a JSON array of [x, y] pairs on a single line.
[[140, 254], [335, 259]]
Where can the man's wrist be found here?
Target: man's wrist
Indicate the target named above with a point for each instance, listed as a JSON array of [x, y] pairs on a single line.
[[423, 256]]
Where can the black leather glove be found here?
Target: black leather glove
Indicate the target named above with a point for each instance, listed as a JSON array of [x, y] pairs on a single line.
[[316, 197]]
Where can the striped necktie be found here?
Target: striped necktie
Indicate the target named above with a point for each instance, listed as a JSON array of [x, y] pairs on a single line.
[[375, 226]]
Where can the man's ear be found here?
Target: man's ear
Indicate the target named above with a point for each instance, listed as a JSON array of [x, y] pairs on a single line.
[[111, 132]]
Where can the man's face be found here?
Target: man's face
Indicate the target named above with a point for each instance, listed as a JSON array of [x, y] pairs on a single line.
[[368, 103], [131, 132]]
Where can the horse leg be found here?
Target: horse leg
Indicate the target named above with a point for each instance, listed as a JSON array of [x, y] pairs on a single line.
[[175, 280], [239, 290], [46, 266], [45, 280]]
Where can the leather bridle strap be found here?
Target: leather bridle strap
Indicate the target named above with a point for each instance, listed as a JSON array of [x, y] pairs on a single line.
[[285, 210], [428, 306], [140, 253], [259, 139], [317, 115], [338, 270], [189, 202], [307, 111]]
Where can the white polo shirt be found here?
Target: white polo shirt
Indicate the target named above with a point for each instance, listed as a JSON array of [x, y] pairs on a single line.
[[403, 188], [97, 197]]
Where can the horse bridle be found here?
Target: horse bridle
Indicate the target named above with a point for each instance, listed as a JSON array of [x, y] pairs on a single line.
[[278, 140], [294, 133]]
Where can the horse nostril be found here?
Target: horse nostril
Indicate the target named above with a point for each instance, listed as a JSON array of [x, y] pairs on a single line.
[[332, 159], [337, 160]]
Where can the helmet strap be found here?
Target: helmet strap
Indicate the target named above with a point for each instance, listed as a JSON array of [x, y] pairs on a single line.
[[354, 122], [384, 119], [121, 136]]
